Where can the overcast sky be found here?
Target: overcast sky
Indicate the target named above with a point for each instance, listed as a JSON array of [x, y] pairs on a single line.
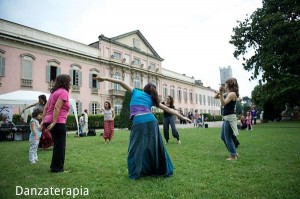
[[192, 36]]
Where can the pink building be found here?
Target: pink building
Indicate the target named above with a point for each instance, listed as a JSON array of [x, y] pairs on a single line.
[[31, 59]]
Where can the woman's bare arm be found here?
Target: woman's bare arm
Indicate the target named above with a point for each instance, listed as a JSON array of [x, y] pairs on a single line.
[[117, 81], [173, 112]]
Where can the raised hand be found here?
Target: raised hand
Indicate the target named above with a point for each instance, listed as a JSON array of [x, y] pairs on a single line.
[[222, 89]]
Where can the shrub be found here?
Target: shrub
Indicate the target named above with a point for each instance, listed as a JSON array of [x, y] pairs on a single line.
[[123, 120]]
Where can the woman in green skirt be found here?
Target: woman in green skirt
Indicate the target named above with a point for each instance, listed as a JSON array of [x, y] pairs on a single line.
[[147, 155]]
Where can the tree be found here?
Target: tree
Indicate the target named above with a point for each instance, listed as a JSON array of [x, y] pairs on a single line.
[[124, 121], [246, 101], [239, 108], [269, 43]]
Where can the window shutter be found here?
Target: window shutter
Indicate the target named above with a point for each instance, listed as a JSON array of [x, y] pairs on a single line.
[[2, 66], [98, 106], [26, 69], [97, 84], [79, 104], [48, 73], [91, 80], [71, 75], [58, 71], [79, 78], [90, 108]]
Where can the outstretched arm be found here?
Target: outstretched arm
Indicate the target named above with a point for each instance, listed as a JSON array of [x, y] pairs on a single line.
[[32, 105], [117, 81], [172, 111]]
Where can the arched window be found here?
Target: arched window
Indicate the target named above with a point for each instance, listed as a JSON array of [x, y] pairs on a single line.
[[76, 76], [27, 70], [117, 75], [118, 107], [185, 95], [179, 94], [93, 84], [153, 81], [52, 71], [172, 91], [165, 91], [137, 82], [191, 96]]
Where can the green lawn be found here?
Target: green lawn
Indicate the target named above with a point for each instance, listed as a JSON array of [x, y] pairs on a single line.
[[268, 167]]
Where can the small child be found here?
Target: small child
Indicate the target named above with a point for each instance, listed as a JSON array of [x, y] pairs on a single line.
[[109, 117], [35, 135], [248, 121]]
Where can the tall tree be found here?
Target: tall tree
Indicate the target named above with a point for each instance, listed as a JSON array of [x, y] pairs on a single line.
[[269, 43], [124, 121]]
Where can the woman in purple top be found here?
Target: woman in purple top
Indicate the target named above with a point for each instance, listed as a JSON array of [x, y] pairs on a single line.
[[55, 115], [147, 155]]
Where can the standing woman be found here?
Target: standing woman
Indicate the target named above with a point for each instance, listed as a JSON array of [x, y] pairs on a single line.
[[169, 120], [38, 105], [229, 127], [147, 155], [55, 117], [109, 116]]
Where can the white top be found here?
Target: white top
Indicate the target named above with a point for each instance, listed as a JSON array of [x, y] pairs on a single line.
[[107, 114]]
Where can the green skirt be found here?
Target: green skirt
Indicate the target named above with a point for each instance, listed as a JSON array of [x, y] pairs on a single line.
[[147, 155]]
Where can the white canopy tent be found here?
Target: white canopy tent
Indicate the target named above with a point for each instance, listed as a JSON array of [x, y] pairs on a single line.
[[23, 98]]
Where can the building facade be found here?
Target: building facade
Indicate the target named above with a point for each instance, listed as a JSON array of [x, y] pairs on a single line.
[[31, 59]]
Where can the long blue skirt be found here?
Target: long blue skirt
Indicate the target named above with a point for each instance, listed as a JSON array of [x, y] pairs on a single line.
[[147, 155]]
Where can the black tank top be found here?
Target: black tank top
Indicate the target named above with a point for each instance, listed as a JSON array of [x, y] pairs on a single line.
[[166, 114], [229, 108]]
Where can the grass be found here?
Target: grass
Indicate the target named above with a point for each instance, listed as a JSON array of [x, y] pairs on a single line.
[[268, 167]]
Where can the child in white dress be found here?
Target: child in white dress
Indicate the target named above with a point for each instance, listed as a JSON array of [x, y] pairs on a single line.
[[35, 135]]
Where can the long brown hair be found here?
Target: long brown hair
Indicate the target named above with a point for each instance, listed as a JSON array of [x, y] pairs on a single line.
[[109, 105], [61, 81], [44, 98], [150, 89], [233, 86], [171, 101]]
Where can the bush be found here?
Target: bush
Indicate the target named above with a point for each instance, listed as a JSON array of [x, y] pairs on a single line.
[[159, 117]]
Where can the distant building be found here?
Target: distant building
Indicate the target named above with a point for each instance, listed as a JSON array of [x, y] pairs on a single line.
[[31, 59], [225, 73]]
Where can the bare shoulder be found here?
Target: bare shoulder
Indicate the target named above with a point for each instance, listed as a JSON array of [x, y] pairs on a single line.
[[232, 96]]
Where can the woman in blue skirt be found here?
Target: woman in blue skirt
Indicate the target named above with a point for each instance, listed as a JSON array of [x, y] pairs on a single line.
[[147, 155]]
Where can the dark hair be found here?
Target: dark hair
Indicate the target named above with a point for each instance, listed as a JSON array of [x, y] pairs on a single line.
[[36, 112], [150, 89], [171, 101], [61, 81], [233, 86], [109, 105], [44, 98]]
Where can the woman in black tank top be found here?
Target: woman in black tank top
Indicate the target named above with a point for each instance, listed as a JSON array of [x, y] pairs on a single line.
[[229, 127]]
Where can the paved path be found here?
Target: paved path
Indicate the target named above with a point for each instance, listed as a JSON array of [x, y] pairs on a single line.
[[217, 124], [210, 124]]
